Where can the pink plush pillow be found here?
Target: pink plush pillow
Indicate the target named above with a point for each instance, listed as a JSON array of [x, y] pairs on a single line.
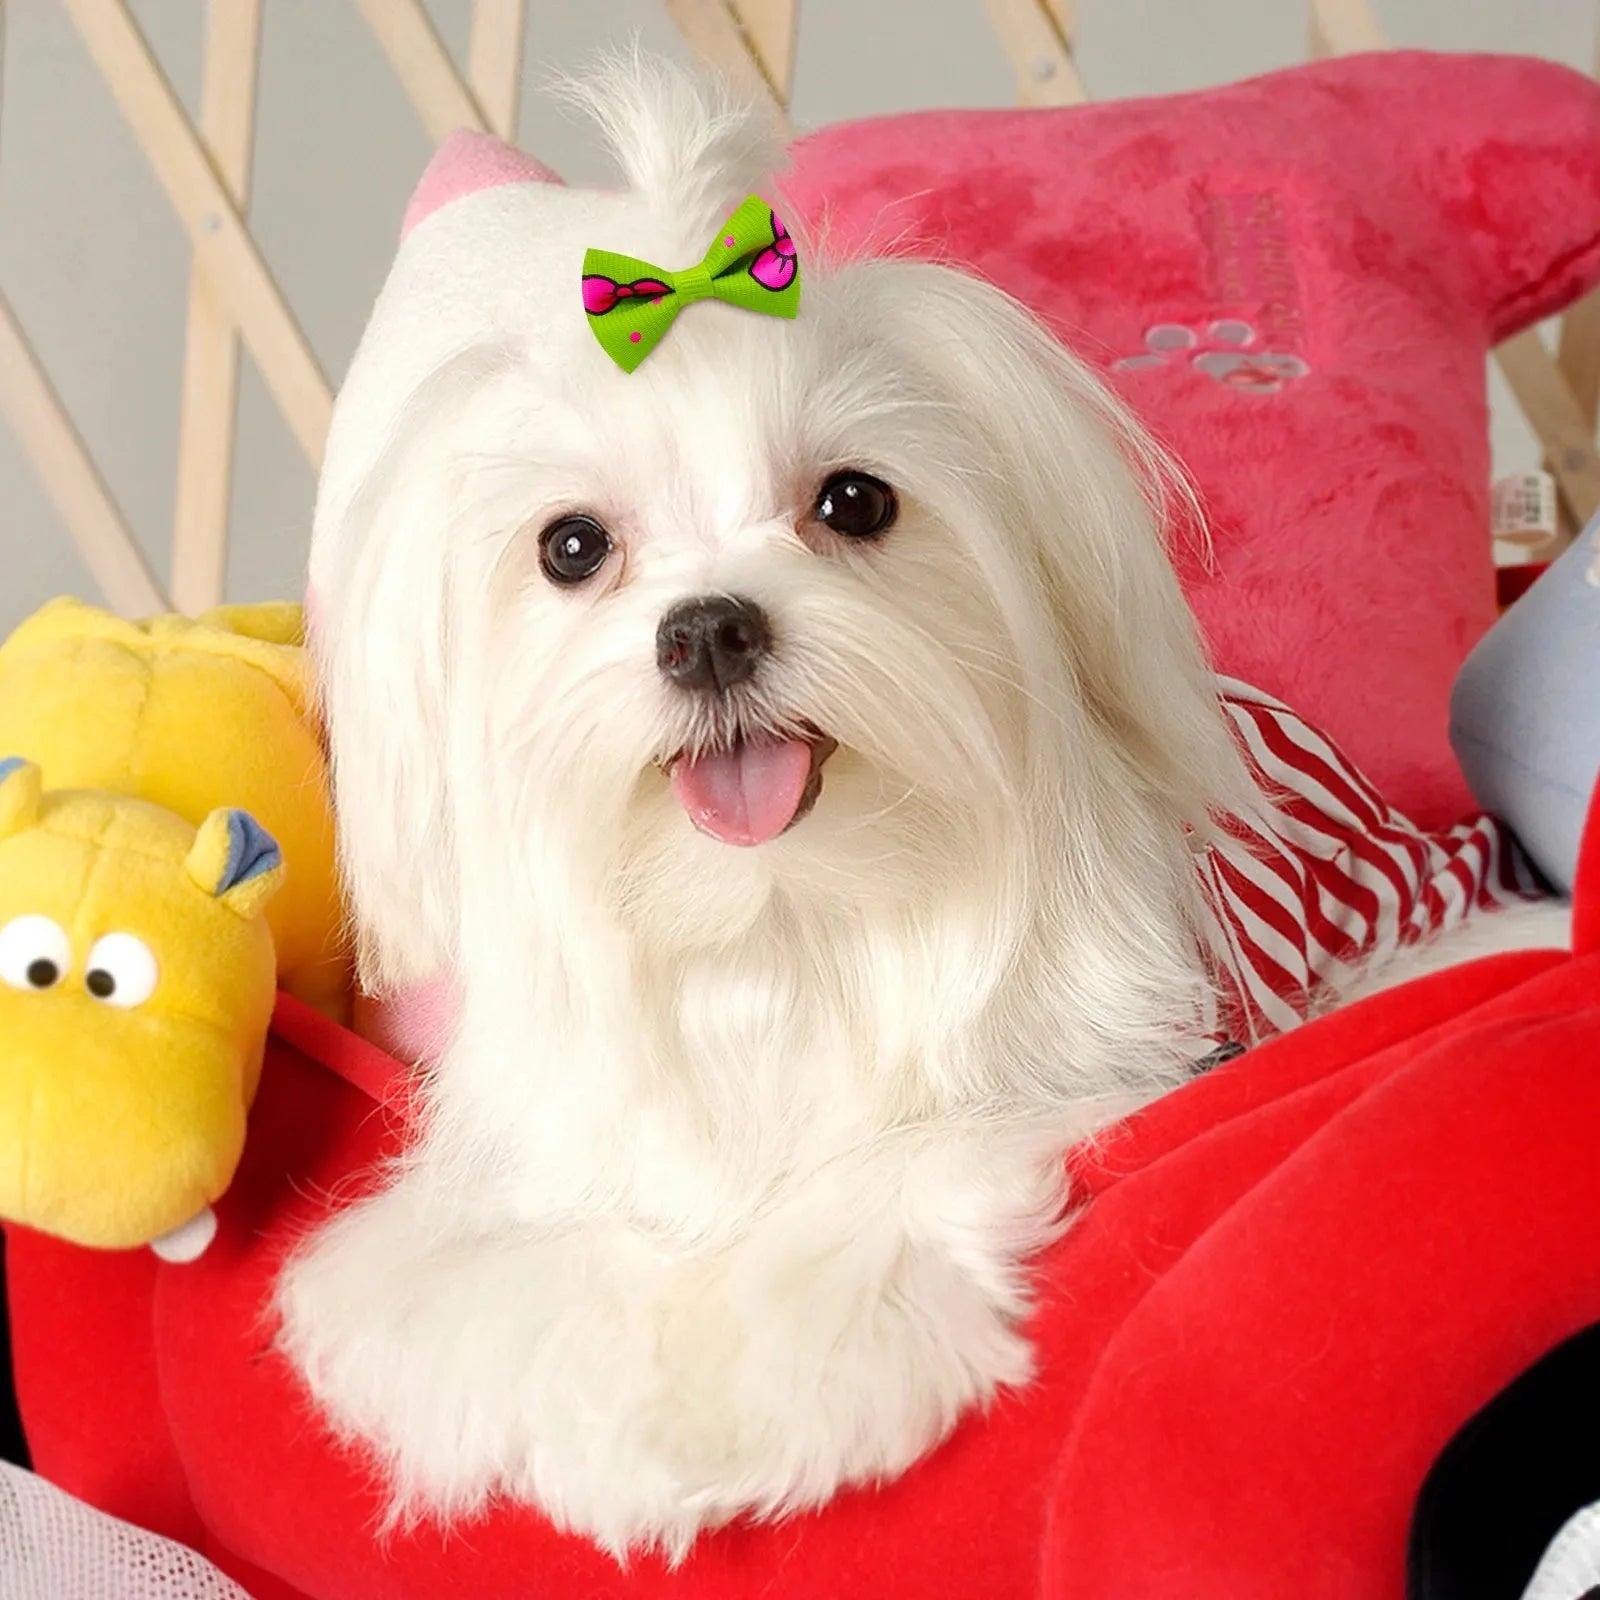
[[1295, 281]]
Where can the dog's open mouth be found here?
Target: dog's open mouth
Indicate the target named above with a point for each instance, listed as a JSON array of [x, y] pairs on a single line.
[[754, 789]]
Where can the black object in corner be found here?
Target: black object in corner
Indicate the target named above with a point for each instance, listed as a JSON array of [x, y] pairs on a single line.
[[1509, 1480], [12, 1445]]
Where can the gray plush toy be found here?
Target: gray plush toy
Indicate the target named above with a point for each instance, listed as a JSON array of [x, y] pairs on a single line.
[[1525, 714]]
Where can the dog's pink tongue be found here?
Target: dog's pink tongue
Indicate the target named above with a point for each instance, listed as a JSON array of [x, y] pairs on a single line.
[[746, 795]]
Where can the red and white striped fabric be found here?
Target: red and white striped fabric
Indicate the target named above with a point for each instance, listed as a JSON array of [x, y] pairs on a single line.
[[1297, 899]]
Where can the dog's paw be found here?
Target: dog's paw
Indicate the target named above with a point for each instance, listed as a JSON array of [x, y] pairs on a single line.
[[784, 1378], [477, 1365], [371, 1313]]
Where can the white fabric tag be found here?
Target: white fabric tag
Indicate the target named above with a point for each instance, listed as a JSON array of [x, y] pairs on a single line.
[[1522, 508]]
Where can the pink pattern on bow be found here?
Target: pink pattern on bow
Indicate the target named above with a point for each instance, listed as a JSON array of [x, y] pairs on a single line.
[[601, 295], [775, 267]]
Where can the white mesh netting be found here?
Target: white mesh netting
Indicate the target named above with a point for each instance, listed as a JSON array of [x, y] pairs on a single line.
[[53, 1547]]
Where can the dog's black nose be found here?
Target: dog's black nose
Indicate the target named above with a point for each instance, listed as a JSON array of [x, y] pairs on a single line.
[[712, 643]]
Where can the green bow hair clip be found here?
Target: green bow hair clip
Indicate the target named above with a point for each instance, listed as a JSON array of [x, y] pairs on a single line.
[[751, 263]]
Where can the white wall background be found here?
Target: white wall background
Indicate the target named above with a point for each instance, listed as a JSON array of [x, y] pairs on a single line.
[[97, 268]]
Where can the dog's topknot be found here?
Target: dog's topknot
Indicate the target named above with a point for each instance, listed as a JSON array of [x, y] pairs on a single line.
[[690, 143]]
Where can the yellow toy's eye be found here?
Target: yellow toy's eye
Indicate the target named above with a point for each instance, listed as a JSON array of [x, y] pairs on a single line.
[[121, 971], [35, 953]]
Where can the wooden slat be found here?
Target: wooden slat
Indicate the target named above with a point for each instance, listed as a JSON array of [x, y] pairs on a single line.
[[711, 29], [1579, 354], [211, 353], [1038, 44], [1343, 28], [224, 248], [1557, 419], [70, 478], [423, 65], [769, 25], [494, 61]]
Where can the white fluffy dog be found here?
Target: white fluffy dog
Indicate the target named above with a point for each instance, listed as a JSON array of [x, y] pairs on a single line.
[[731, 1172]]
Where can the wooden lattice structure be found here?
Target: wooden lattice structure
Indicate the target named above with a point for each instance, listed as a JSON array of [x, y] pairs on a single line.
[[233, 296]]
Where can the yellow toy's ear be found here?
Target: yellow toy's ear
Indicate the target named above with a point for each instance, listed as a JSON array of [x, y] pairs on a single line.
[[70, 618], [237, 861], [270, 621], [21, 794]]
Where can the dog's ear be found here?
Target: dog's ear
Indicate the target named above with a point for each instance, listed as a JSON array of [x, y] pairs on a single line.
[[381, 571], [385, 719], [1089, 494], [466, 163]]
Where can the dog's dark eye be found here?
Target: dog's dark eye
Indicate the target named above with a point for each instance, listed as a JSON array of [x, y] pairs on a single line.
[[573, 549], [856, 505]]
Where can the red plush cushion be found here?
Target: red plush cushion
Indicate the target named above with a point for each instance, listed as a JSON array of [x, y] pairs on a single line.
[[1295, 1279], [1375, 224]]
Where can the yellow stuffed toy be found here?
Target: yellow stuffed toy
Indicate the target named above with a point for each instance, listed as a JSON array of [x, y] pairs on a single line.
[[191, 714], [136, 985]]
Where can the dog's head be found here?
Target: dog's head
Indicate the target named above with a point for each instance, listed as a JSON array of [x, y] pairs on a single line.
[[866, 609]]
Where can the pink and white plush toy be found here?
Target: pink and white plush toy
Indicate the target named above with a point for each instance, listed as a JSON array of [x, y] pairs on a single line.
[[1525, 717]]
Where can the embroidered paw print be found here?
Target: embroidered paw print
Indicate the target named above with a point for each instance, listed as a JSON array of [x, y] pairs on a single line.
[[1224, 352]]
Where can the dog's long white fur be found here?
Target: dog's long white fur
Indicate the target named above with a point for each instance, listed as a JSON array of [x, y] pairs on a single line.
[[731, 1174]]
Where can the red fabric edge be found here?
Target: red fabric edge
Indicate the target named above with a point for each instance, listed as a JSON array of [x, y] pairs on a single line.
[[378, 1075], [1586, 893]]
